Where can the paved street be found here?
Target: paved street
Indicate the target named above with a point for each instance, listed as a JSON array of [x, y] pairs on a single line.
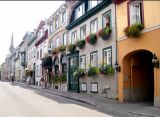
[[16, 101]]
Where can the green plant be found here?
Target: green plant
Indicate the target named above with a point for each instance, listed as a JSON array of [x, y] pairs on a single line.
[[63, 77], [105, 33], [93, 71], [92, 38], [133, 30], [71, 48], [106, 69], [62, 48], [79, 73], [80, 43], [55, 78]]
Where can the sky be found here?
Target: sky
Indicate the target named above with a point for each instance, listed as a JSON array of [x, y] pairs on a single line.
[[19, 17]]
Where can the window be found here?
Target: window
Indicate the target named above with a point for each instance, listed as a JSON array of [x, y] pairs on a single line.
[[106, 19], [83, 62], [37, 55], [92, 3], [107, 56], [73, 37], [94, 59], [83, 32], [63, 17], [80, 11], [51, 44], [64, 39], [56, 23], [94, 26], [57, 42], [51, 26], [94, 87], [40, 53], [37, 70], [135, 13]]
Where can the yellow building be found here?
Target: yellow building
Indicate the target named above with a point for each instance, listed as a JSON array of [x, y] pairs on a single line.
[[138, 78]]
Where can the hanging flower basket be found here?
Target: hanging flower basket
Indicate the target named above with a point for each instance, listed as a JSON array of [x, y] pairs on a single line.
[[92, 38], [133, 30], [105, 33], [62, 48], [80, 44], [71, 48]]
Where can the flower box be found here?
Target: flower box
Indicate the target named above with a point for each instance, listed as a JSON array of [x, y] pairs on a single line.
[[92, 38], [80, 44], [133, 30], [105, 33], [71, 48]]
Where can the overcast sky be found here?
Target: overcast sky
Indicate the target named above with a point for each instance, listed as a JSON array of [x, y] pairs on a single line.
[[19, 17]]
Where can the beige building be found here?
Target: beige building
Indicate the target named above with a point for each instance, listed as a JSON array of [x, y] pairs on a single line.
[[58, 36]]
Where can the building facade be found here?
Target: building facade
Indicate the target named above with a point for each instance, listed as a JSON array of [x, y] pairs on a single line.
[[58, 36], [89, 21], [138, 32], [41, 45]]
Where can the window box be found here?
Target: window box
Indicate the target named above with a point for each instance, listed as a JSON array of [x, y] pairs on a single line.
[[71, 48], [80, 43], [105, 33], [93, 71], [106, 69], [79, 73], [133, 30], [54, 51], [92, 38], [62, 48]]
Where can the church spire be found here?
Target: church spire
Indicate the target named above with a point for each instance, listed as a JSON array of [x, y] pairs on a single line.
[[11, 48]]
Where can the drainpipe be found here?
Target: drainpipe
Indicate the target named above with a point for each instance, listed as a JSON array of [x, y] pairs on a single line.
[[116, 46]]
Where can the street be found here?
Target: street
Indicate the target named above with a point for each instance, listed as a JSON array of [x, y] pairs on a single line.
[[16, 101]]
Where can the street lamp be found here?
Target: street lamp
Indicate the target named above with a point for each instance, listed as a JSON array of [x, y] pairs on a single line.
[[117, 67], [155, 61]]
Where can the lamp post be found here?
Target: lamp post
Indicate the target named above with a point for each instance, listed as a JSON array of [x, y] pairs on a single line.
[[117, 67], [155, 61]]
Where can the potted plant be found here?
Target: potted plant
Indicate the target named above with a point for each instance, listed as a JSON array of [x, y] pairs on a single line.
[[62, 48], [105, 33], [71, 48], [93, 71], [92, 38], [80, 43], [133, 30]]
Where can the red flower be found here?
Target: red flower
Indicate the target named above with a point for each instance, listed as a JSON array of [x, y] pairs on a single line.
[[88, 38]]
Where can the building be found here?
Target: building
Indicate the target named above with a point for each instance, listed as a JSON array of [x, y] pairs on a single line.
[[58, 36], [94, 50], [31, 54], [17, 64], [3, 71], [24, 55], [138, 50], [41, 45]]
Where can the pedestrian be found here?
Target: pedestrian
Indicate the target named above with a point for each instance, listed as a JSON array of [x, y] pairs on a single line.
[[42, 82]]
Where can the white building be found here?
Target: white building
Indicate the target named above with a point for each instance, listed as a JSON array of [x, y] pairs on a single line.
[[41, 49]]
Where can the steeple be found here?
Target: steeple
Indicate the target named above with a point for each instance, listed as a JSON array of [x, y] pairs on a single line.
[[11, 48]]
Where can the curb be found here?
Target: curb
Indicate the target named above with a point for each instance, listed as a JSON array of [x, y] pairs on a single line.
[[90, 103]]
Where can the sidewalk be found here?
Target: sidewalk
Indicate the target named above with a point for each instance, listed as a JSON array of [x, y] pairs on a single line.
[[130, 109]]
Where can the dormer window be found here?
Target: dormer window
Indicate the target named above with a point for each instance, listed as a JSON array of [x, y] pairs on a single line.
[[79, 11], [93, 3], [63, 17]]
